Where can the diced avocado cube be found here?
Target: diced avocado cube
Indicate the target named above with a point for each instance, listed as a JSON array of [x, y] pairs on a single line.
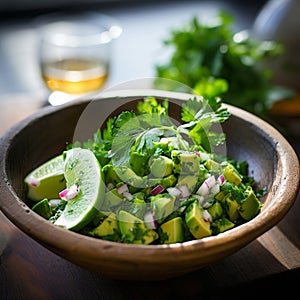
[[232, 208], [108, 227], [162, 205], [231, 174], [223, 224], [137, 207], [110, 174], [139, 163], [220, 196], [172, 231], [151, 182], [212, 165], [198, 227], [185, 162], [161, 166], [113, 198], [169, 181], [251, 206], [125, 173], [136, 182], [189, 180], [215, 210], [133, 229], [167, 144], [128, 176], [43, 208]]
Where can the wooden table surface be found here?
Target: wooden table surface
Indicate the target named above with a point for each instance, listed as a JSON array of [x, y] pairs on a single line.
[[29, 271]]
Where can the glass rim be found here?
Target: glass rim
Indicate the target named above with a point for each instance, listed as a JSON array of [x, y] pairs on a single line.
[[67, 30]]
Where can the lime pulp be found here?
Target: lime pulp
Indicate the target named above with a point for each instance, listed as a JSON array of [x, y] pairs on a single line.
[[83, 170]]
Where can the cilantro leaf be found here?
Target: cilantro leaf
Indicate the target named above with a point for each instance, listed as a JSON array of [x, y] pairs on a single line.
[[150, 105], [142, 131], [147, 139], [139, 134], [200, 116], [121, 119], [236, 193]]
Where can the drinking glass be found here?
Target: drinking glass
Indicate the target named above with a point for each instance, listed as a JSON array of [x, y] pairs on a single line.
[[75, 53]]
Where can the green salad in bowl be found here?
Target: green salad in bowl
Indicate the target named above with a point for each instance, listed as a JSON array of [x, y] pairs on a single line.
[[146, 178], [145, 184]]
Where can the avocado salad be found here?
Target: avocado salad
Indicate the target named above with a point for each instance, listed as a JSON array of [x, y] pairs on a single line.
[[157, 180]]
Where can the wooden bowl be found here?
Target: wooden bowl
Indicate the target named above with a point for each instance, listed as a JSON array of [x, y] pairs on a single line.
[[272, 162]]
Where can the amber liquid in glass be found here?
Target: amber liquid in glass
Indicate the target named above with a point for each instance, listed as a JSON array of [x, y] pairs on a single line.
[[74, 76]]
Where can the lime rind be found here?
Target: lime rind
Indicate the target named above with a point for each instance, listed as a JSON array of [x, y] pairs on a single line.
[[47, 180], [82, 169], [55, 166]]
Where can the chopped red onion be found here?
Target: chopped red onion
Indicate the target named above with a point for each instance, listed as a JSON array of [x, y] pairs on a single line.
[[206, 186], [157, 190], [185, 192], [122, 189], [203, 189], [197, 153], [206, 216], [206, 204], [210, 181], [221, 179], [70, 193], [200, 199], [34, 182], [63, 193], [149, 220], [215, 189], [174, 191], [128, 196]]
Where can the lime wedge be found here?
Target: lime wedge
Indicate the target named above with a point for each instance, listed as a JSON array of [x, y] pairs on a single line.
[[82, 169], [47, 180]]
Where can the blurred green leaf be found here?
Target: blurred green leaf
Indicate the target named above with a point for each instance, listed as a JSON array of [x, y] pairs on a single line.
[[213, 60]]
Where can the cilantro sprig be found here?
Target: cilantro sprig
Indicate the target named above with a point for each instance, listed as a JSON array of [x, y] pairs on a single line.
[[200, 116], [139, 131]]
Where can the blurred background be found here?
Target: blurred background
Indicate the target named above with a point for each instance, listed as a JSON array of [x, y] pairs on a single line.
[[139, 49], [145, 25]]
